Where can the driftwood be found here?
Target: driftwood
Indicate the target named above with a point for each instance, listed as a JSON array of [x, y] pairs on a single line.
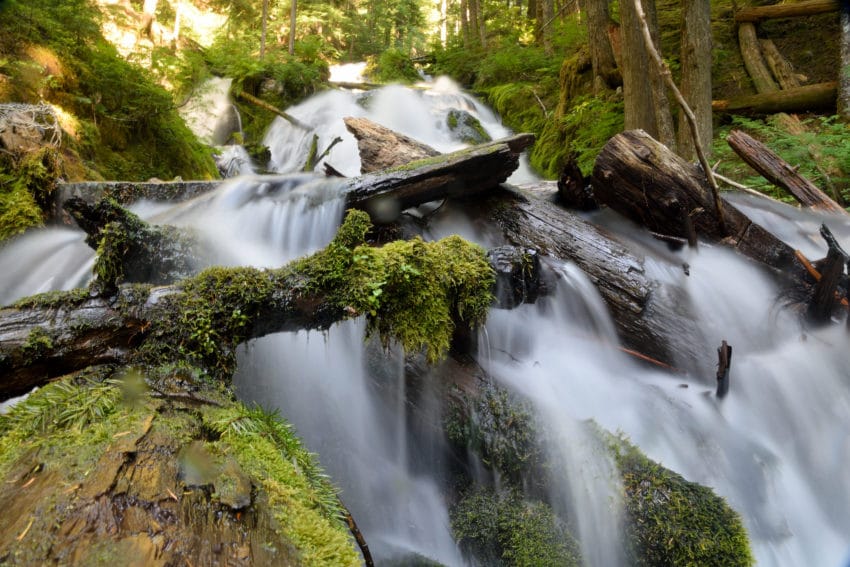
[[810, 97], [643, 180], [381, 148], [780, 173], [465, 172], [724, 363], [826, 296], [790, 10]]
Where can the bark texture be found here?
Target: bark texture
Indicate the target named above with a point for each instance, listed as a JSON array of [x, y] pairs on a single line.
[[810, 97], [696, 75]]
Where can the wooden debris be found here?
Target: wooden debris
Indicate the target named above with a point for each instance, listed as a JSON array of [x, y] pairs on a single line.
[[724, 363], [789, 10], [820, 96], [825, 297]]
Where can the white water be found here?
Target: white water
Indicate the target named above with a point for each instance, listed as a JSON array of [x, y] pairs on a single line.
[[777, 447]]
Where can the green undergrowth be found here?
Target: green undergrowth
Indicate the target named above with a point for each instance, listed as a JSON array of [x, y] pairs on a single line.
[[821, 153], [503, 529], [302, 499], [27, 184], [391, 66], [671, 521]]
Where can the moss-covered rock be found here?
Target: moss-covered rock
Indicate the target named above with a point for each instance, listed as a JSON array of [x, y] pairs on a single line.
[[27, 183], [671, 521], [466, 128], [503, 529]]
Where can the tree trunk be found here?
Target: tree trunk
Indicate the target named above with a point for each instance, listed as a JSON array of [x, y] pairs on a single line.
[[265, 23], [464, 23], [780, 173], [809, 98], [844, 70], [548, 15], [639, 106], [605, 72], [754, 60], [790, 10], [148, 17], [696, 75], [292, 21], [646, 182], [660, 101]]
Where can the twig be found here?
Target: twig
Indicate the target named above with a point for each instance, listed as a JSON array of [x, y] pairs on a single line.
[[692, 121], [540, 102], [358, 536]]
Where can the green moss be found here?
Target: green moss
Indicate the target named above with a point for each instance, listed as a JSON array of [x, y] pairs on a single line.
[[53, 299], [38, 344], [302, 501], [409, 291], [671, 521], [497, 427], [466, 127], [26, 189], [505, 530]]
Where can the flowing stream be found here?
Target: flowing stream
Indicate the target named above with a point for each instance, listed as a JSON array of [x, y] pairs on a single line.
[[776, 447]]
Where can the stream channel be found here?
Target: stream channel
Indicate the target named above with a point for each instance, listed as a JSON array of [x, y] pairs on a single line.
[[777, 447]]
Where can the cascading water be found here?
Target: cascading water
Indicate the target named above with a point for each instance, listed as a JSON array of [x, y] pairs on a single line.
[[776, 447]]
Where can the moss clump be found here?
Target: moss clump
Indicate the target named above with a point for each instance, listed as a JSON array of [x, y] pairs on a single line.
[[302, 501], [53, 299], [38, 344], [671, 521], [498, 428], [504, 529], [26, 189], [409, 290], [466, 127]]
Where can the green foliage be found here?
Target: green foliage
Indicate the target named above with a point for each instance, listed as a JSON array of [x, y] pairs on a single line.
[[580, 133], [409, 290], [671, 521], [38, 344], [392, 66], [300, 497], [66, 404], [497, 427], [26, 188], [821, 152], [505, 530]]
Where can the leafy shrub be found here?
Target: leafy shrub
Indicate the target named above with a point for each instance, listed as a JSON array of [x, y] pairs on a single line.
[[392, 66]]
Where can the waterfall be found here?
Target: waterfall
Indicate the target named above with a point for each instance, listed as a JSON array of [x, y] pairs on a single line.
[[776, 448]]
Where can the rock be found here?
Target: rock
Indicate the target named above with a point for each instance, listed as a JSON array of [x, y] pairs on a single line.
[[466, 127]]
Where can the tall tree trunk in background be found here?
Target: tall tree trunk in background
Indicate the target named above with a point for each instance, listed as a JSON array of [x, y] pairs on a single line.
[[531, 10], [265, 25], [605, 73], [474, 16], [443, 22], [696, 75], [548, 14], [844, 70], [148, 17], [464, 22], [661, 102], [638, 104], [292, 14]]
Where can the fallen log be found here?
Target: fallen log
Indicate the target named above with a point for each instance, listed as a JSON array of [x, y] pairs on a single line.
[[780, 173], [386, 193], [381, 148], [790, 10], [643, 180], [754, 60], [724, 364], [52, 335], [810, 97], [247, 97], [826, 296], [781, 69]]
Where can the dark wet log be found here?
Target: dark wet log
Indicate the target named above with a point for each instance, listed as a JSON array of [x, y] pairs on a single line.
[[386, 193], [811, 97], [754, 60], [643, 180], [790, 10], [780, 173], [724, 363], [574, 190], [44, 337], [652, 318], [142, 253], [381, 148], [826, 296]]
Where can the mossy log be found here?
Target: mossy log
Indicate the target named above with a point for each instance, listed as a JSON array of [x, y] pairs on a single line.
[[780, 173], [646, 182], [754, 59], [204, 318], [808, 98], [789, 10], [381, 148]]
